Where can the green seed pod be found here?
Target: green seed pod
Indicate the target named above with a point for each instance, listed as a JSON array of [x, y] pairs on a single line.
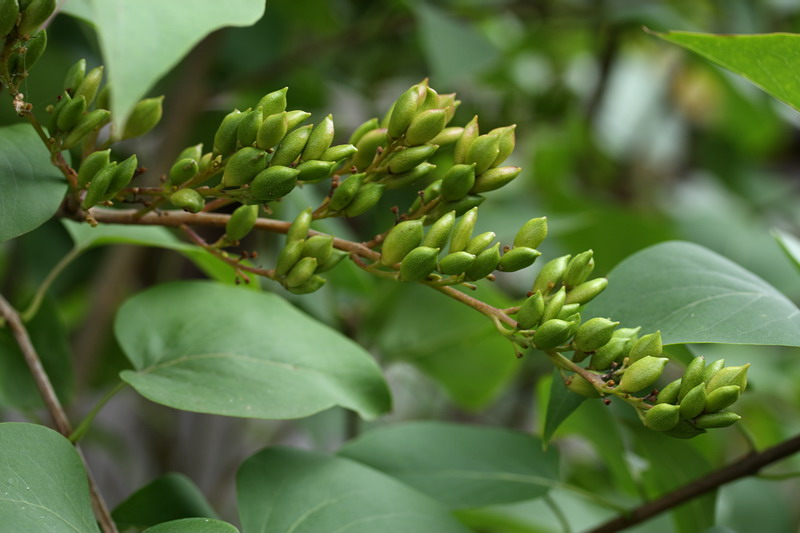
[[194, 152], [552, 307], [669, 394], [462, 233], [274, 102], [550, 275], [642, 374], [76, 72], [406, 159], [439, 233], [318, 246], [144, 117], [587, 291], [717, 420], [594, 333], [103, 100], [464, 142], [291, 147], [206, 162], [420, 171], [648, 345], [301, 272], [531, 311], [532, 233], [457, 182], [692, 377], [273, 183], [712, 369], [243, 166], [662, 417], [226, 136], [272, 130], [506, 142], [365, 199], [242, 221], [448, 136], [607, 354], [90, 121], [313, 284], [300, 226], [99, 184], [315, 170], [9, 9], [296, 117], [731, 375], [320, 139], [56, 110], [335, 258], [345, 192], [578, 384], [482, 152], [182, 171], [247, 131], [338, 152], [122, 176], [34, 49], [478, 243], [722, 397], [694, 402], [429, 101], [449, 103], [518, 258], [188, 199], [288, 256], [628, 333], [70, 113], [403, 112], [579, 269], [34, 15], [456, 263], [551, 334], [460, 207], [91, 166], [425, 126], [485, 263], [368, 146], [402, 238], [495, 178], [684, 430], [418, 263], [568, 310], [363, 129]]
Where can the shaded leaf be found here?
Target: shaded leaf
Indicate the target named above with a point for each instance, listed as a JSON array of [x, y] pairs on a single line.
[[193, 525], [790, 245], [561, 403]]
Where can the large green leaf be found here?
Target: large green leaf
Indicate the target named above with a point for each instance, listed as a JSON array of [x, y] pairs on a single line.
[[461, 466], [32, 188], [141, 40], [170, 497], [694, 295], [213, 348], [43, 485], [560, 404], [767, 60], [193, 525], [282, 490], [790, 245]]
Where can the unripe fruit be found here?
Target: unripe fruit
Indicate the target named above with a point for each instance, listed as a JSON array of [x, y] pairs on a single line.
[[552, 307], [669, 394], [506, 142], [448, 136], [70, 113], [183, 170], [319, 140], [531, 311], [684, 430], [76, 72], [418, 263], [301, 272], [692, 377], [693, 403], [402, 238], [9, 9], [425, 126], [274, 102], [89, 122], [722, 397], [296, 117], [568, 310], [103, 100], [243, 166], [578, 384], [478, 243], [288, 256], [188, 199], [367, 147], [99, 185], [456, 263], [458, 182], [579, 269], [717, 420], [242, 221], [731, 375], [312, 284], [34, 15], [712, 369], [122, 176], [608, 353], [144, 117], [248, 127], [464, 142], [272, 130], [485, 263], [91, 166], [315, 170], [594, 333], [587, 291], [405, 160], [35, 50], [551, 334], [273, 183], [460, 207], [365, 199], [439, 233], [550, 275], [291, 147], [518, 258], [397, 181], [462, 233], [318, 246], [345, 192], [495, 178], [299, 228], [226, 136], [642, 374], [338, 152], [335, 258], [662, 417], [483, 151], [359, 132], [194, 152], [403, 111], [532, 233]]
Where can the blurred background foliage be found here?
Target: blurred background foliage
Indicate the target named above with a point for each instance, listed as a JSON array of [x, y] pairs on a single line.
[[625, 141]]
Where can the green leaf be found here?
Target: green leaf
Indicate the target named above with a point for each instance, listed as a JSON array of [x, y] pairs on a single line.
[[790, 245], [764, 59], [283, 489], [694, 295], [461, 466], [193, 525], [32, 188], [213, 348], [43, 484], [560, 404], [170, 497], [152, 37]]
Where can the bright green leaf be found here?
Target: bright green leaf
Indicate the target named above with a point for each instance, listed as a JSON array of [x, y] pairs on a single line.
[[141, 40], [560, 404], [694, 295], [32, 188], [193, 525], [283, 489], [767, 60], [170, 497], [790, 245], [461, 466], [43, 484], [213, 348]]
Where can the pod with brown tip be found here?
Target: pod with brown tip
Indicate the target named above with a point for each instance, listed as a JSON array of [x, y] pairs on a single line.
[[418, 263]]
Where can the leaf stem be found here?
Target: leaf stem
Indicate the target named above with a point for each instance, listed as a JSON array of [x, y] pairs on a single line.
[[59, 267], [84, 424]]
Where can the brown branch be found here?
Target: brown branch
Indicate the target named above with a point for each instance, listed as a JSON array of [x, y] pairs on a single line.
[[53, 404], [748, 465]]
